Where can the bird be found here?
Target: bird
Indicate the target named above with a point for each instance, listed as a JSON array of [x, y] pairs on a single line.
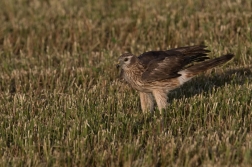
[[155, 73]]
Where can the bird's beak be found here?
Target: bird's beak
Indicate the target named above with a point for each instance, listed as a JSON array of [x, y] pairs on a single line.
[[118, 65]]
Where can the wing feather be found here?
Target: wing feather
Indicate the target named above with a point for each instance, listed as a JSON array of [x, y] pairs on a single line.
[[161, 65], [164, 68]]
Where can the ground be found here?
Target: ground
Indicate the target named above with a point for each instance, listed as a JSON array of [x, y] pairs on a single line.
[[61, 103]]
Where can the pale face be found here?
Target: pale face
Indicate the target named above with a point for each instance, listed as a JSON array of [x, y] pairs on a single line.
[[125, 61]]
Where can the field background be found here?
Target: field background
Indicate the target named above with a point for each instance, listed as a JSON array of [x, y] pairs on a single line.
[[61, 103]]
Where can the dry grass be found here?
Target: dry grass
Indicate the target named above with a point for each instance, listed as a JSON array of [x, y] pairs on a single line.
[[62, 105]]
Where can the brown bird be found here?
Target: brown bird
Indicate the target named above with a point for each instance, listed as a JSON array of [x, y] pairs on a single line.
[[155, 73]]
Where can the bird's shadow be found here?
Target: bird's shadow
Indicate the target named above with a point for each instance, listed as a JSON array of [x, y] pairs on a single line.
[[204, 84]]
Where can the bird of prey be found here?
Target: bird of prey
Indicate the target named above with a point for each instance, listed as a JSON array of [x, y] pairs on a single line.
[[155, 73]]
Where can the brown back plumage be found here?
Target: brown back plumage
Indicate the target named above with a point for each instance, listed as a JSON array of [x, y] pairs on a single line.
[[160, 65]]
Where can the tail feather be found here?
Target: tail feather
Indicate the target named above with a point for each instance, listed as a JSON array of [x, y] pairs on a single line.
[[193, 70], [200, 67]]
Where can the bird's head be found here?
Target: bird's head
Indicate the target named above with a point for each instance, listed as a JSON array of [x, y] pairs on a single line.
[[126, 60]]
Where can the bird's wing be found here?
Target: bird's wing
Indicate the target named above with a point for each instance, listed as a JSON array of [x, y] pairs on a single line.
[[163, 68], [187, 50], [161, 65], [147, 57]]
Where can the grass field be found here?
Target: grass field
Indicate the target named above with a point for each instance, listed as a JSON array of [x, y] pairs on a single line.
[[61, 103]]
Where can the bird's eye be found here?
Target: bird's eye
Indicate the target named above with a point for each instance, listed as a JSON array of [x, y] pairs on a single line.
[[126, 59]]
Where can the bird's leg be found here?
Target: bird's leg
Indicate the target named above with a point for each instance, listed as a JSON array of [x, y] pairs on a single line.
[[147, 101], [161, 99]]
